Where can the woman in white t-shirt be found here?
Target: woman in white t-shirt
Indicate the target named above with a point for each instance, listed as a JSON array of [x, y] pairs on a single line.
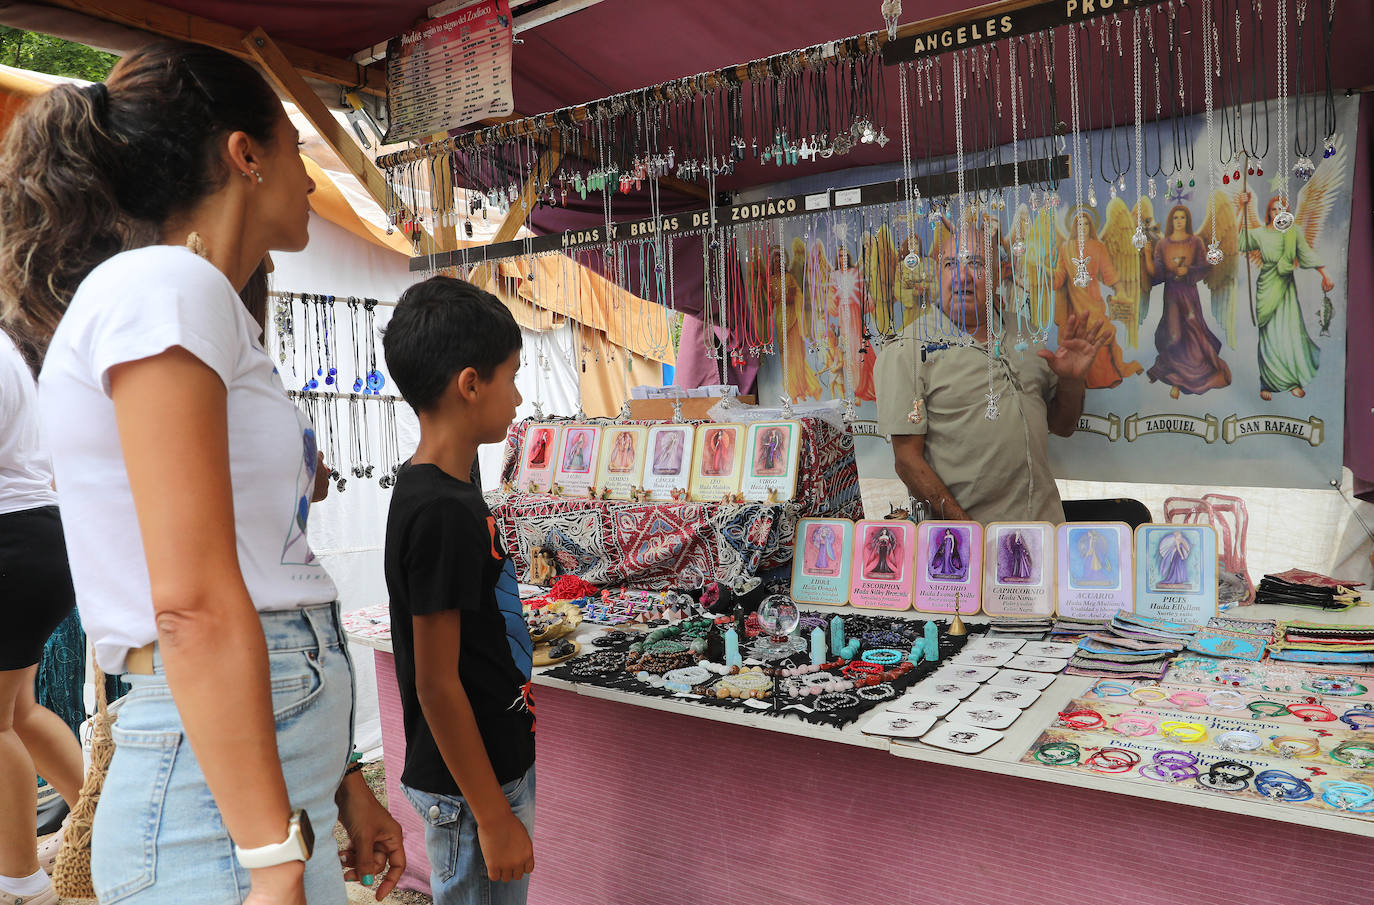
[[35, 596], [133, 211]]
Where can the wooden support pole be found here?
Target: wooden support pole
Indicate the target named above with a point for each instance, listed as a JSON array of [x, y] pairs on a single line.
[[268, 54], [174, 23]]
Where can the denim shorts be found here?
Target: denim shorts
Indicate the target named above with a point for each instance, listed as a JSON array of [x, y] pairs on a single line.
[[458, 872], [158, 838]]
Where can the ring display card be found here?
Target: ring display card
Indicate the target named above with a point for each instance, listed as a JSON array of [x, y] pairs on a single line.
[[988, 716], [576, 472], [1020, 698], [880, 575], [718, 462], [982, 658], [1095, 569], [622, 460], [1015, 678], [770, 472], [898, 725], [1176, 572], [1018, 569], [821, 561], [949, 562], [934, 706], [668, 460], [539, 458], [935, 687], [961, 738]]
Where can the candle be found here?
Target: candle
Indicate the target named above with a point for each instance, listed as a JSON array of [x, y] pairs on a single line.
[[836, 634], [817, 646], [932, 644], [732, 657]]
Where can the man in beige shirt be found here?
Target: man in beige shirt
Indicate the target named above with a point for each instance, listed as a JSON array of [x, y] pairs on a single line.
[[948, 451]]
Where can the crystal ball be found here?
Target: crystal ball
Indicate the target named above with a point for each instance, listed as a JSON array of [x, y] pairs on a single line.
[[778, 614]]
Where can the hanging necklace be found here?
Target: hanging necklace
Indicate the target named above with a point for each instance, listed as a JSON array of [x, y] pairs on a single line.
[[1214, 252], [785, 399], [1283, 218], [1138, 238], [1081, 276]]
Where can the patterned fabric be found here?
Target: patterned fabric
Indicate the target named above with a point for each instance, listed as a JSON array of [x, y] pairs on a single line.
[[62, 672], [658, 545]]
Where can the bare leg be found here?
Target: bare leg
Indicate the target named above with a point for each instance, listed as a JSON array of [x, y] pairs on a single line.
[[18, 783], [1266, 395], [51, 743]]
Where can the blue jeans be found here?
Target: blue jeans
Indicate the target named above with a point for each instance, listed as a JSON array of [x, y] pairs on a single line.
[[158, 837], [457, 870]]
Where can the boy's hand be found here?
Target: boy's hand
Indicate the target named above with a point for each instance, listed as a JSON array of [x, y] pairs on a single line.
[[374, 838], [506, 848]]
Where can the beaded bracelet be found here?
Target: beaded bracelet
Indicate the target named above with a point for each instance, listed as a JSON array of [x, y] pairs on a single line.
[[1082, 719], [1277, 709], [1292, 746], [884, 656], [1134, 726], [860, 667], [881, 692], [1335, 685], [1357, 754], [1112, 760], [1238, 741], [834, 700], [1187, 699], [1281, 785], [1312, 713], [1225, 699], [1058, 754], [1183, 731], [1111, 689], [1355, 797], [1148, 694]]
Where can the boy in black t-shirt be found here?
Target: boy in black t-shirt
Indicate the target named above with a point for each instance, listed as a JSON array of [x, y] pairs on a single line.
[[462, 650]]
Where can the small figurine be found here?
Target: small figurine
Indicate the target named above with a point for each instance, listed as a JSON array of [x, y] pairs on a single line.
[[591, 493], [508, 487], [605, 493], [544, 566], [678, 495], [772, 497], [534, 487]]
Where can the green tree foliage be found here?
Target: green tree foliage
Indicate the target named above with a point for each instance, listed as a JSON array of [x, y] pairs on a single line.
[[38, 52]]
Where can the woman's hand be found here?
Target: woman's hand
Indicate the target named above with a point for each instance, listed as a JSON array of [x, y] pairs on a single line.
[[374, 837]]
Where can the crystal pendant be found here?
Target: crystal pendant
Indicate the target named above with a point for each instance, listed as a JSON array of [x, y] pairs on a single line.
[[965, 256], [1081, 277], [882, 138], [1034, 200], [1092, 197], [911, 261], [933, 216], [992, 412], [1283, 220], [1214, 254], [1150, 188], [1018, 247], [1138, 238], [1329, 147]]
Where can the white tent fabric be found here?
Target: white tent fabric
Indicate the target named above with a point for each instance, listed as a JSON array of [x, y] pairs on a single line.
[[348, 529]]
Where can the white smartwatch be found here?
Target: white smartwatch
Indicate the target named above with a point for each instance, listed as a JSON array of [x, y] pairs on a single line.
[[298, 846]]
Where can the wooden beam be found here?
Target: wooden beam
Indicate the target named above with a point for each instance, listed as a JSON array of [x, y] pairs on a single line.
[[173, 23], [269, 55]]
